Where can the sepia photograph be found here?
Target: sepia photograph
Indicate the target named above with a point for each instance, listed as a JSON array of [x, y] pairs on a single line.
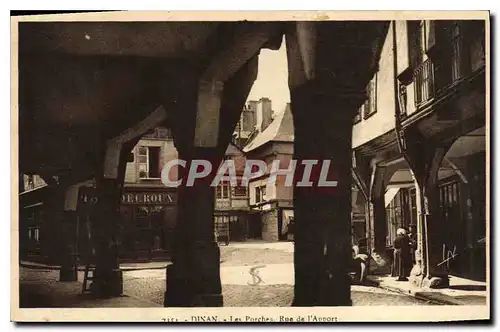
[[280, 167]]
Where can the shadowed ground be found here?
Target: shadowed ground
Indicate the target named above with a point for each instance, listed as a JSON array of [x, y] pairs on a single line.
[[253, 274]]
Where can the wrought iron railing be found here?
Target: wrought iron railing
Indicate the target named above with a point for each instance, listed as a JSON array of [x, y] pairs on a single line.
[[424, 82]]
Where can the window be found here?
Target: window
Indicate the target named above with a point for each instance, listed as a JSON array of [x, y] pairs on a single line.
[[370, 106], [222, 191], [142, 217], [221, 227], [130, 157], [357, 117], [398, 214], [451, 217], [416, 37], [240, 191], [260, 194], [34, 234], [456, 56], [394, 218], [149, 162]]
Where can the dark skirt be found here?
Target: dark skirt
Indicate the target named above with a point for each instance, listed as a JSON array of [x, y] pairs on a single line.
[[400, 265]]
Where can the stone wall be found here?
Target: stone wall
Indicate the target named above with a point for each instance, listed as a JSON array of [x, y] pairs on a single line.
[[270, 226]]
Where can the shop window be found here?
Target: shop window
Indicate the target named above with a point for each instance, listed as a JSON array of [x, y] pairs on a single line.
[[455, 236], [222, 191], [142, 218], [157, 213], [397, 214], [149, 162], [221, 226], [450, 202]]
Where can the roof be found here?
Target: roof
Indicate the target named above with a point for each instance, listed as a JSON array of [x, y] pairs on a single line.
[[281, 129], [233, 149]]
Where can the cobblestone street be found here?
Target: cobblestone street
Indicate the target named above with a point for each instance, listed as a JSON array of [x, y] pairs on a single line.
[[240, 264], [274, 262]]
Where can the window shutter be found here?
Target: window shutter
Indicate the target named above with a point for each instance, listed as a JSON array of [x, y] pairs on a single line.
[[430, 35]]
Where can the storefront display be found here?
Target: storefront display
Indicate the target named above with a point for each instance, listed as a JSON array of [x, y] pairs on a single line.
[[147, 221]]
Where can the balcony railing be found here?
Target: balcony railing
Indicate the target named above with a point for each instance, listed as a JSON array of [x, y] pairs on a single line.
[[424, 82]]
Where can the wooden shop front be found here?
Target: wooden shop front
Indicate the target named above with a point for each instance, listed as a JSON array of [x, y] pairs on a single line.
[[147, 221]]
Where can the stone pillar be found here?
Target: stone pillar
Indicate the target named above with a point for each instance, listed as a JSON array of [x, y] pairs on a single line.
[[417, 272], [61, 223], [108, 276], [434, 232], [326, 89], [204, 114], [381, 178], [193, 280], [425, 161], [381, 175], [323, 131], [69, 271]]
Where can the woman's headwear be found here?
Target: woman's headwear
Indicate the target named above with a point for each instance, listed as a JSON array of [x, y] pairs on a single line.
[[401, 231]]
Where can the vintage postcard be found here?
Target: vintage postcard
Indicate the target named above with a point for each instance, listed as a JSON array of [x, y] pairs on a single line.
[[297, 167]]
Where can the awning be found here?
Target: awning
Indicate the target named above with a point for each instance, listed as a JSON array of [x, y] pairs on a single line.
[[389, 195], [71, 197]]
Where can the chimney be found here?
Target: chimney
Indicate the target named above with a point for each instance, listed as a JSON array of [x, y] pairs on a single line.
[[248, 117], [266, 113]]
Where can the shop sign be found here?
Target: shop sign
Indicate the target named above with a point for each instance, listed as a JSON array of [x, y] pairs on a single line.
[[88, 197], [148, 198]]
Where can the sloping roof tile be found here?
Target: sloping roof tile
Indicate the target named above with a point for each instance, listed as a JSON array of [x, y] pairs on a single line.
[[281, 129]]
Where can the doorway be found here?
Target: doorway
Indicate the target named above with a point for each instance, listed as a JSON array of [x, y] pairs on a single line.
[[144, 235]]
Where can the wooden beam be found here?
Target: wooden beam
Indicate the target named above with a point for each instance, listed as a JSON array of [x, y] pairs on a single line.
[[361, 185], [114, 145], [206, 132], [457, 170], [248, 43]]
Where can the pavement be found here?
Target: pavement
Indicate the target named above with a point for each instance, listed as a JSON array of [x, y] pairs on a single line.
[[41, 289], [253, 274], [461, 291], [123, 266]]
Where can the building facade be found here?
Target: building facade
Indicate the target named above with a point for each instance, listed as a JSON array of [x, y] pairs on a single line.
[[231, 213], [272, 203], [420, 159], [420, 147], [148, 210]]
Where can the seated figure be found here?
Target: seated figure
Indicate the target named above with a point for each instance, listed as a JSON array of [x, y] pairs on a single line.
[[359, 263]]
